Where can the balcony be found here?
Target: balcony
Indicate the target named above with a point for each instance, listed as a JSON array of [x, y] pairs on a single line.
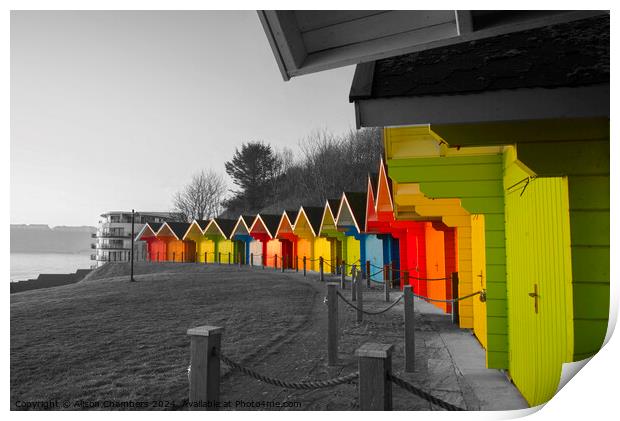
[[93, 235], [112, 234], [93, 246], [93, 257], [113, 247]]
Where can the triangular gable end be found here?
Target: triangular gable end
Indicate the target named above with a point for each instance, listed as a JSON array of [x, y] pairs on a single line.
[[214, 229], [328, 220], [346, 216], [240, 227], [383, 201], [166, 231], [259, 226], [301, 220], [371, 213], [285, 225], [145, 232], [194, 228]]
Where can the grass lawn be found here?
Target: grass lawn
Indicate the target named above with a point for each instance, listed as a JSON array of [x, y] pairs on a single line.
[[109, 339]]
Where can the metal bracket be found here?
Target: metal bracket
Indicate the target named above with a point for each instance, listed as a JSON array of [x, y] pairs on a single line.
[[483, 295]]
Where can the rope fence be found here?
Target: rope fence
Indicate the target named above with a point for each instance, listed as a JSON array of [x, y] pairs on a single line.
[[452, 300], [422, 394], [373, 378], [368, 312], [313, 385]]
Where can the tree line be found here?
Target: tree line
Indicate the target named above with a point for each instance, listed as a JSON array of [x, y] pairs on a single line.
[[269, 180]]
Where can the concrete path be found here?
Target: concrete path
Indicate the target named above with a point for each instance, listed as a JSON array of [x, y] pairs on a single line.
[[450, 363]]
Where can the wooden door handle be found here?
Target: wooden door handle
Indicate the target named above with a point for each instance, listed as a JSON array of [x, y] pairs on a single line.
[[535, 296]]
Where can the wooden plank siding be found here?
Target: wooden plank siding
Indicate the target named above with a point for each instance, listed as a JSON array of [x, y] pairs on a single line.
[[538, 253], [586, 163], [477, 180]]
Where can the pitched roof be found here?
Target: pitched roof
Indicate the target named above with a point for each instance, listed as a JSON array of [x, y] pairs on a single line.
[[149, 227], [178, 228], [292, 215], [314, 215], [155, 226], [248, 219], [334, 204], [562, 55], [357, 201], [374, 180], [226, 225], [271, 223], [202, 223]]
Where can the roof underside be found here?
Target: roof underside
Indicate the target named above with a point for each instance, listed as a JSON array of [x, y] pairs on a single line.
[[308, 41], [563, 55]]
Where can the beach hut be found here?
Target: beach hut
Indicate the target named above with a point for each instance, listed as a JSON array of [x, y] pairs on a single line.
[[218, 233], [351, 220], [243, 240], [306, 228], [263, 230], [329, 244], [372, 245], [195, 233], [404, 241], [176, 249], [155, 248], [288, 240]]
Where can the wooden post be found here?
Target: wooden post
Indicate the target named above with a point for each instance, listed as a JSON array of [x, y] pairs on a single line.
[[158, 256], [204, 375], [353, 289], [342, 275], [304, 265], [321, 268], [174, 257], [263, 259], [296, 263], [219, 257], [275, 261], [386, 283], [239, 258], [182, 257], [409, 329], [368, 273], [455, 294], [251, 259], [229, 258], [205, 257], [375, 388], [392, 274], [360, 298], [282, 263], [332, 324]]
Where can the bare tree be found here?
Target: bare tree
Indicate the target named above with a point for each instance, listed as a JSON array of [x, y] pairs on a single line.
[[202, 198]]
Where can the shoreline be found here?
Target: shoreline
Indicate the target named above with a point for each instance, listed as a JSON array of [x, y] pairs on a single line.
[[48, 280]]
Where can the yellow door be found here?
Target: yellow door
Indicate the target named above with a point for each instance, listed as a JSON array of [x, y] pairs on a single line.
[[539, 286], [479, 281]]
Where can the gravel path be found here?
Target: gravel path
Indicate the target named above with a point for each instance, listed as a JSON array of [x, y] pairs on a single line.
[[301, 356]]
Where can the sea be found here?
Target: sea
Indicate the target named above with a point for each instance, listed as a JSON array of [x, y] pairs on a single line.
[[26, 266]]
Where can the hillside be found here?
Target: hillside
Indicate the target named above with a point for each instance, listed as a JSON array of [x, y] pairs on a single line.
[[40, 238]]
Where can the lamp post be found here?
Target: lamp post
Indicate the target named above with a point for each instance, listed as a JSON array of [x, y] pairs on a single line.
[[133, 213]]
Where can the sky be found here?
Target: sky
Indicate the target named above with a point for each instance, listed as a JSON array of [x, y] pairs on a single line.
[[116, 110]]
